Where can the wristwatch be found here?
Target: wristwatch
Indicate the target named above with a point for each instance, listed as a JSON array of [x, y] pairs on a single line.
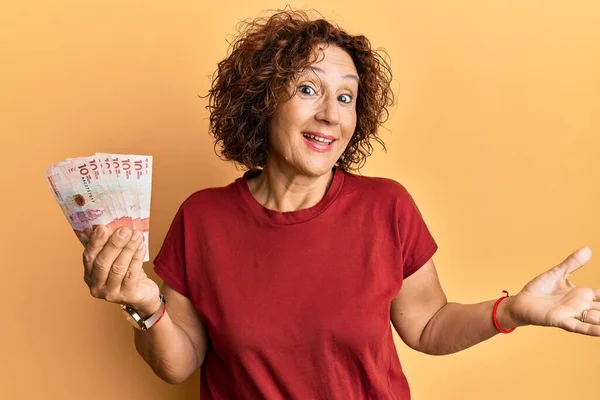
[[144, 324]]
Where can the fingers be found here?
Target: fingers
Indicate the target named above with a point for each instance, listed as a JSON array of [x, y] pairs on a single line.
[[97, 241], [585, 328], [576, 260], [589, 326], [130, 286], [105, 258], [127, 266], [592, 316]]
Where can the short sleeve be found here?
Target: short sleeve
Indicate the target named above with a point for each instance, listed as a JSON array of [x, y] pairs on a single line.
[[416, 242], [170, 262]]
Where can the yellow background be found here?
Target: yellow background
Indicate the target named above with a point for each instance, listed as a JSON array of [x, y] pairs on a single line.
[[495, 133]]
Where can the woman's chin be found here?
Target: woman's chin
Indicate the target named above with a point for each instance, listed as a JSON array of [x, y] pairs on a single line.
[[317, 169], [313, 167]]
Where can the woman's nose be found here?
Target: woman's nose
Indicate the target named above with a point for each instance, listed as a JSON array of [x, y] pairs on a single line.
[[328, 110]]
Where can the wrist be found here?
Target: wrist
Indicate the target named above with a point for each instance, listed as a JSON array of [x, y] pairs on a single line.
[[143, 318], [505, 314], [146, 311]]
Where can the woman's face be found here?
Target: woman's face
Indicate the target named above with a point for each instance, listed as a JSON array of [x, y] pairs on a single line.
[[309, 132]]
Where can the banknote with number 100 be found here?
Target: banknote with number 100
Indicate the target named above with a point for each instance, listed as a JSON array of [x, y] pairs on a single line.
[[104, 189]]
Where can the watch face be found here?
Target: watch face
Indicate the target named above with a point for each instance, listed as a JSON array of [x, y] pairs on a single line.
[[131, 317]]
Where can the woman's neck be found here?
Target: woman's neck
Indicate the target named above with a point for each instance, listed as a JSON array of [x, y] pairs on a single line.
[[288, 191]]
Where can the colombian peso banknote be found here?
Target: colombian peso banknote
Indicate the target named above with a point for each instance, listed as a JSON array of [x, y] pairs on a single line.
[[104, 189]]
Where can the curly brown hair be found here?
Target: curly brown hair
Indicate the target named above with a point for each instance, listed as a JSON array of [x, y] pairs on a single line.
[[265, 57]]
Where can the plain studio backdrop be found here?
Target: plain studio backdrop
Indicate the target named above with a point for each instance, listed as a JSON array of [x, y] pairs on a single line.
[[496, 133]]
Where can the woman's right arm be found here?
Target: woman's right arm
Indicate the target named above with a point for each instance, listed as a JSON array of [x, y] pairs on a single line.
[[175, 346]]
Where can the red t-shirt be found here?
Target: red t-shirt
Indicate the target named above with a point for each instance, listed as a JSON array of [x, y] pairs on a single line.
[[297, 304]]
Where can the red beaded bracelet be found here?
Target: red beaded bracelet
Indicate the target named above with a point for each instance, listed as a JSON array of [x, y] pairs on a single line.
[[494, 315]]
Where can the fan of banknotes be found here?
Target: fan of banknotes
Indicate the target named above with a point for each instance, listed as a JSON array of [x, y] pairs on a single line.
[[104, 189]]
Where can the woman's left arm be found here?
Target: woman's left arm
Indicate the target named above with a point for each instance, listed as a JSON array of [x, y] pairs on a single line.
[[427, 322]]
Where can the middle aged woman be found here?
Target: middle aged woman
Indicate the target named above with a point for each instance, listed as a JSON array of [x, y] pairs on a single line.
[[283, 284]]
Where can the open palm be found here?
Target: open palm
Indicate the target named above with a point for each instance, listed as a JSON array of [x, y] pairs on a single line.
[[551, 299]]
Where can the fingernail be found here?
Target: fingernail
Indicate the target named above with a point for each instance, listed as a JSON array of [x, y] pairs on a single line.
[[136, 235], [123, 233], [99, 232]]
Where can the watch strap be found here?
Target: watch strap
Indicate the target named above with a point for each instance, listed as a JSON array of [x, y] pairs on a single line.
[[145, 324]]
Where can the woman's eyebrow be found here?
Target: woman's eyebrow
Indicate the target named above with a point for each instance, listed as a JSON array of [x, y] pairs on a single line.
[[347, 76]]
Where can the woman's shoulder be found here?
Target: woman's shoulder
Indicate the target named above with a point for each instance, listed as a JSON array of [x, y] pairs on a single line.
[[376, 185], [387, 193], [211, 196]]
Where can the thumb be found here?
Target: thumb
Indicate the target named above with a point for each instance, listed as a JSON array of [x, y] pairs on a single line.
[[574, 261]]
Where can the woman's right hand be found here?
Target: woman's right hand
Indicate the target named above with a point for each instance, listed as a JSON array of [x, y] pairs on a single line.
[[113, 270]]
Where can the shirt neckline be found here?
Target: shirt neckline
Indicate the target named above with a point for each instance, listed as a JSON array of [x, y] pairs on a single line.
[[290, 217]]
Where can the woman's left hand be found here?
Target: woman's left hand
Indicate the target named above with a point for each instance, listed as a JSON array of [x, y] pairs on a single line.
[[552, 300]]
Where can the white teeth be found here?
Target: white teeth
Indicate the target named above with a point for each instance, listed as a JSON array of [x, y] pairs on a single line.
[[319, 139]]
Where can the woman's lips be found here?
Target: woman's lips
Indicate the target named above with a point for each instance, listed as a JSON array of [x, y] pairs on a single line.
[[317, 146]]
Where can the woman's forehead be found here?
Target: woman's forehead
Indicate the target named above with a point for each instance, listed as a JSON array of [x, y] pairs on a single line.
[[321, 74], [331, 64], [333, 56]]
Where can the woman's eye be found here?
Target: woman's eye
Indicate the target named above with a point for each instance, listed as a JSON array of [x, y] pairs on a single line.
[[346, 98], [309, 91], [305, 89]]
